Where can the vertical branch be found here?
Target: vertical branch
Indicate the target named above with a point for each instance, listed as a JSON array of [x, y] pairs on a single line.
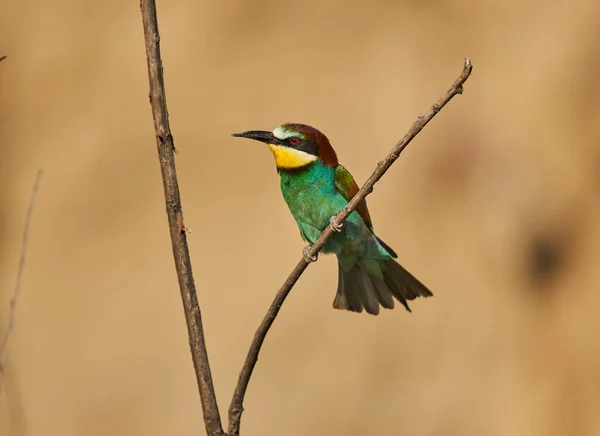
[[166, 154], [17, 290]]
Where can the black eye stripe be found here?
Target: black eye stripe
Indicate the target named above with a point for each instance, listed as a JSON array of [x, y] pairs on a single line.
[[302, 145]]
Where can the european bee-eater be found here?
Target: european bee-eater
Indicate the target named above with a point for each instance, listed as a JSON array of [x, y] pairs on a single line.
[[316, 187]]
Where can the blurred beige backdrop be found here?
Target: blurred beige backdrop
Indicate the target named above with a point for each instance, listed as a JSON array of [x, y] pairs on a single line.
[[494, 206]]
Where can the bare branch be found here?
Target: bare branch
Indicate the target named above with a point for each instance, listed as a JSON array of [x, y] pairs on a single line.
[[17, 290], [2, 58], [166, 150], [236, 407]]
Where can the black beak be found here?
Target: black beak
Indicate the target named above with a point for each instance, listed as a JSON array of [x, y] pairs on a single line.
[[258, 135]]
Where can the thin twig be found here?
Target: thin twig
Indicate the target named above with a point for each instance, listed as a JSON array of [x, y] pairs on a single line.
[[17, 290], [236, 407], [166, 150], [2, 58]]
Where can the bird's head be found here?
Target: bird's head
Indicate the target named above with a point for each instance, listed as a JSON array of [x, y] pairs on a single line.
[[295, 146]]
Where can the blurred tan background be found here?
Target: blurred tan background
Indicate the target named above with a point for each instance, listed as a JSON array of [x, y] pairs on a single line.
[[494, 206]]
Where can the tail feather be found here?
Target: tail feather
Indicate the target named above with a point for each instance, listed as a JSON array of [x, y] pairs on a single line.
[[405, 282], [348, 296], [358, 290], [385, 296], [368, 292], [397, 292]]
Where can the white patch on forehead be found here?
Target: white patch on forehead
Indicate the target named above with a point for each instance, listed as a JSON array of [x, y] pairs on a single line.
[[282, 133]]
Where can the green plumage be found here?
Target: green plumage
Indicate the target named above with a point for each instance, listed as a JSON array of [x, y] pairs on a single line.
[[316, 187], [368, 275], [313, 198]]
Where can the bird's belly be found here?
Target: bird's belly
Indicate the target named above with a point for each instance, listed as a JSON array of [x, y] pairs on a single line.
[[312, 211], [312, 208]]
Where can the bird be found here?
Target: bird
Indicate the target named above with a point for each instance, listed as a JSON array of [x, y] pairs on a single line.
[[316, 187]]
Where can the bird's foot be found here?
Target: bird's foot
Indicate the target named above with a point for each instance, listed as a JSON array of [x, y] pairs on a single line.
[[307, 257], [334, 224]]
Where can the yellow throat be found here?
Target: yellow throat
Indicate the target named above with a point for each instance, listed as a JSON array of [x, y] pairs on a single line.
[[288, 158]]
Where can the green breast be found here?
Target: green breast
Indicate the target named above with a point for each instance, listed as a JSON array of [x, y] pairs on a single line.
[[311, 194], [313, 198]]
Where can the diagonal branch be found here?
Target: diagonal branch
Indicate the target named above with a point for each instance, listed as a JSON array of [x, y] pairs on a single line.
[[236, 407], [17, 290], [2, 58], [166, 155]]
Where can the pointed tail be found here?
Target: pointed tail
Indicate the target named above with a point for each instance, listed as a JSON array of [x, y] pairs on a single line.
[[357, 289]]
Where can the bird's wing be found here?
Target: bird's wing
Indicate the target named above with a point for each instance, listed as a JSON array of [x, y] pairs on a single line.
[[345, 184]]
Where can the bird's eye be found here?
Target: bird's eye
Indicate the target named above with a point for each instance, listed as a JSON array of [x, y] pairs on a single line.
[[294, 140]]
